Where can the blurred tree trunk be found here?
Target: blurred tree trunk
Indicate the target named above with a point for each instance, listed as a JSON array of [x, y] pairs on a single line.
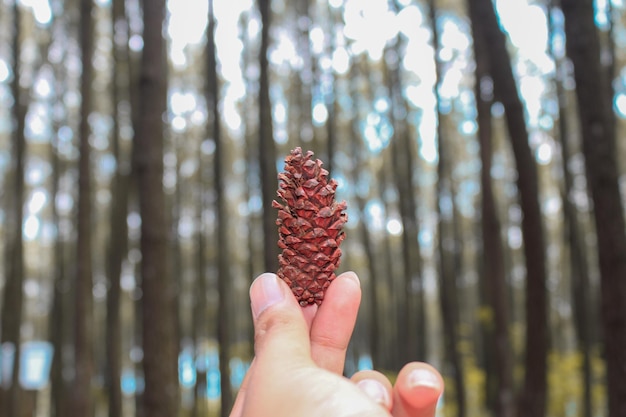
[[82, 402], [58, 329], [412, 319], [118, 246], [600, 150], [252, 186], [221, 220], [199, 329], [12, 305], [305, 77], [158, 321], [493, 252], [118, 238], [267, 146], [177, 264], [573, 236], [330, 97], [534, 392], [391, 287], [137, 342], [448, 241], [363, 228], [608, 56], [447, 250]]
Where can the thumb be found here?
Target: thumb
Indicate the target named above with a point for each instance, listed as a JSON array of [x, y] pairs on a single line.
[[280, 330]]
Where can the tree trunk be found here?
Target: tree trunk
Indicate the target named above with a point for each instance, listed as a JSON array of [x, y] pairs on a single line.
[[493, 251], [255, 241], [448, 241], [573, 236], [57, 333], [304, 84], [118, 244], [267, 146], [413, 322], [331, 97], [12, 305], [82, 404], [199, 329], [533, 396], [118, 239], [221, 220], [600, 150], [159, 329], [59, 329]]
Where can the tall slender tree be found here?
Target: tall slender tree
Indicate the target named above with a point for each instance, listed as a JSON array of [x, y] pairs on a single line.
[[493, 252], [59, 329], [221, 219], [532, 401], [160, 398], [267, 146], [448, 243], [573, 236], [600, 151], [118, 238], [12, 304], [82, 402], [414, 315]]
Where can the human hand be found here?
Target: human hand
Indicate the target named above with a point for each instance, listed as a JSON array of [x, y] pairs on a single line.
[[300, 354]]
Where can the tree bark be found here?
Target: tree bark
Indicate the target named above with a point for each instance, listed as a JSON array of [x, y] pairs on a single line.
[[267, 146], [158, 322], [413, 322], [58, 328], [534, 392], [493, 251], [573, 236], [600, 151], [118, 239], [12, 305], [448, 241], [82, 402], [221, 220]]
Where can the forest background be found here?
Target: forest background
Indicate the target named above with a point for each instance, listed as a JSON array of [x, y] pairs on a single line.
[[474, 141]]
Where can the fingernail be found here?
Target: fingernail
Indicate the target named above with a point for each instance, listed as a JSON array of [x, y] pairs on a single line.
[[375, 390], [265, 292], [423, 378], [354, 277]]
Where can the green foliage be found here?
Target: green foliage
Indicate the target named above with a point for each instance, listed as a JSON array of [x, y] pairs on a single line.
[[565, 384]]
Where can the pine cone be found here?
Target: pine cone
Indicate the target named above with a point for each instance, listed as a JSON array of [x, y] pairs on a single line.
[[309, 227]]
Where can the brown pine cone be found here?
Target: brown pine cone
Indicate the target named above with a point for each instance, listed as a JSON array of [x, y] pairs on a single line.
[[309, 227]]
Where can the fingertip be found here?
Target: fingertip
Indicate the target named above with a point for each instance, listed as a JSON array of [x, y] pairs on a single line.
[[266, 290], [376, 386], [351, 275], [419, 387], [346, 287], [280, 328]]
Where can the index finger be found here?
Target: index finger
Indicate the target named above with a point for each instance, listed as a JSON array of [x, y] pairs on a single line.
[[334, 322]]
